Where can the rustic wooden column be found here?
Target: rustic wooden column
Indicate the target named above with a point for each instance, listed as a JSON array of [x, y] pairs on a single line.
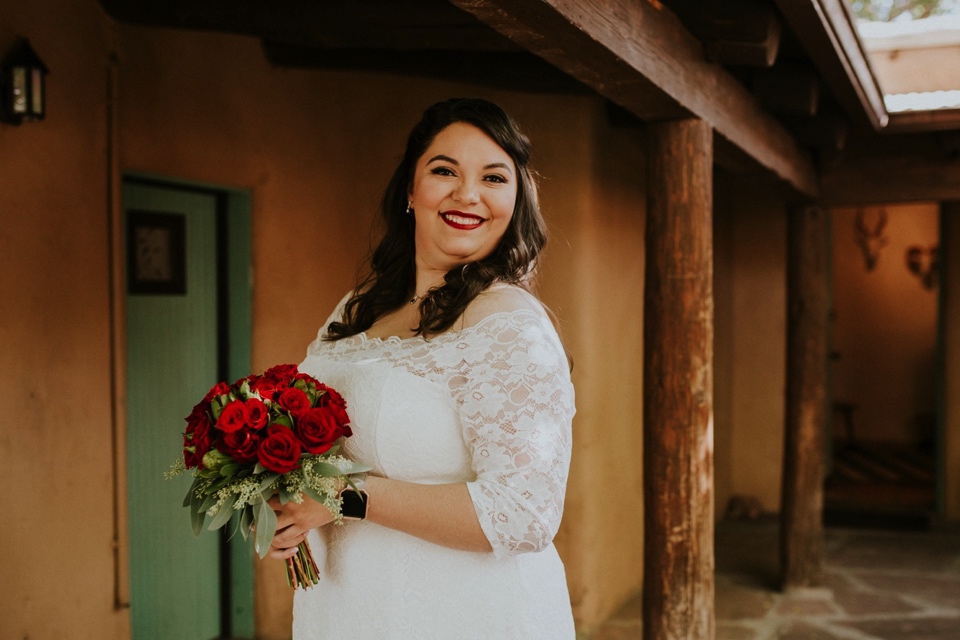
[[678, 384], [801, 512]]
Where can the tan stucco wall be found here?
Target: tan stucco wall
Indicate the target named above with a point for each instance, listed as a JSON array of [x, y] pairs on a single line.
[[885, 327], [723, 383], [757, 314], [605, 532], [314, 148], [55, 434]]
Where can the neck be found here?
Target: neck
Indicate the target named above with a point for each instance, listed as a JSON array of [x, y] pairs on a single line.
[[427, 279]]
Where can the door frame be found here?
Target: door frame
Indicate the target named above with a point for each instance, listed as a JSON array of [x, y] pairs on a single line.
[[235, 315]]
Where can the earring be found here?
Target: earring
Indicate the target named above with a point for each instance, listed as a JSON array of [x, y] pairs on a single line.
[[409, 207]]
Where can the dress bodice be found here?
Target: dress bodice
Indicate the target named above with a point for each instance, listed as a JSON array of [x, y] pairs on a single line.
[[490, 405]]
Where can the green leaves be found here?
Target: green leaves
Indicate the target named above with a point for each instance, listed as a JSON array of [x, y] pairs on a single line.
[[222, 517], [265, 522], [197, 513], [243, 489]]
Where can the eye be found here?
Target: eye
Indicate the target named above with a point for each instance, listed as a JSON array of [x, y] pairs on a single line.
[[442, 171], [495, 177]]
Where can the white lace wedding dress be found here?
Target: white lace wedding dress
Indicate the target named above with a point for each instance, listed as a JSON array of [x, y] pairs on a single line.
[[489, 405]]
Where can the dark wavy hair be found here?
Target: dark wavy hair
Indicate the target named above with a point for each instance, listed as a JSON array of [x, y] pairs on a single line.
[[392, 278]]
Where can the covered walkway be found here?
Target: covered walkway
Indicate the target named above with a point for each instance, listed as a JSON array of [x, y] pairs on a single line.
[[879, 585]]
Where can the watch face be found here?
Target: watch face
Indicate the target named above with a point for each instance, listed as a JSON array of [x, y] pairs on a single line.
[[354, 504]]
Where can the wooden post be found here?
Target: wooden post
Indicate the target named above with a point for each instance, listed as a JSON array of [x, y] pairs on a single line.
[[801, 513], [678, 385]]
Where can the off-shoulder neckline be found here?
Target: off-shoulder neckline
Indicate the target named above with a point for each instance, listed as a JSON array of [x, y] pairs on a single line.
[[365, 339]]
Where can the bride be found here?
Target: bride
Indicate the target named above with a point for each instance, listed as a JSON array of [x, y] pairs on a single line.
[[461, 402]]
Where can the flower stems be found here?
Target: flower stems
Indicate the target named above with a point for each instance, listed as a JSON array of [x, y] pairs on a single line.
[[302, 571]]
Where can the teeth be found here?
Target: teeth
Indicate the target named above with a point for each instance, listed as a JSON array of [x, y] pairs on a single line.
[[463, 220]]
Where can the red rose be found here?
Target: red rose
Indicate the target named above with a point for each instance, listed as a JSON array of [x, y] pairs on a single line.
[[218, 390], [294, 400], [266, 387], [241, 445], [283, 373], [256, 413], [233, 417], [333, 401], [318, 429], [196, 439], [280, 450]]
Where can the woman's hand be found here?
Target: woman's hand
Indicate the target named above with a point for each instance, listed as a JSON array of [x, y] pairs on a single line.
[[294, 522]]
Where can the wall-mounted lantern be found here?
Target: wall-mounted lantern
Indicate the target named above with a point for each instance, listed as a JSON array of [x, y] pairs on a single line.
[[22, 77]]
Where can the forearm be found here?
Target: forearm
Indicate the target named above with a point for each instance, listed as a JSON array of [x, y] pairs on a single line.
[[442, 514]]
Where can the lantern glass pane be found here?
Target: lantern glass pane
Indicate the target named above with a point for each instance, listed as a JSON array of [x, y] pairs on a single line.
[[19, 97], [36, 92]]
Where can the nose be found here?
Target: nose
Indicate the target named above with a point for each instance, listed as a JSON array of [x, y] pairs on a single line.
[[467, 192]]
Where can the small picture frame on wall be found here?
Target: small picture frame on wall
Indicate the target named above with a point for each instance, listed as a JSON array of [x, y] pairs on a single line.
[[156, 253]]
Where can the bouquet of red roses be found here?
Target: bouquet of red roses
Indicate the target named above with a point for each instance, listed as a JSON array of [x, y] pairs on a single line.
[[263, 435]]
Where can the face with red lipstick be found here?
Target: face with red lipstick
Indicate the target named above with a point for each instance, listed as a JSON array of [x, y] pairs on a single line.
[[463, 195]]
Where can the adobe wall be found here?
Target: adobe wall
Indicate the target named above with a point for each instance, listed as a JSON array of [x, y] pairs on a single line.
[[884, 329], [56, 439]]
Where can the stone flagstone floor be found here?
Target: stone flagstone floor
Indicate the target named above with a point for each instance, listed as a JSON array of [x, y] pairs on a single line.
[[879, 585]]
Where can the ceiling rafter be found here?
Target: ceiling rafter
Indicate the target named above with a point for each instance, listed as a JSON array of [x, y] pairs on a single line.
[[640, 56]]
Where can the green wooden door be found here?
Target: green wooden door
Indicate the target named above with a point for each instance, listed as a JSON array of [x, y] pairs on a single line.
[[172, 360]]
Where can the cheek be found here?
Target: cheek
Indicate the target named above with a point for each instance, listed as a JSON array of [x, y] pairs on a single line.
[[504, 207]]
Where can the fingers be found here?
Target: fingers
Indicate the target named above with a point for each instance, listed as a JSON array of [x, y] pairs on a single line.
[[285, 543]]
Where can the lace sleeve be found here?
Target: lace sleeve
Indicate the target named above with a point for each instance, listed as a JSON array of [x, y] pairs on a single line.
[[516, 405]]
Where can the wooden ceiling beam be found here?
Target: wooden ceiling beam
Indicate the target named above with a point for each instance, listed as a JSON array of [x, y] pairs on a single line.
[[640, 56], [933, 120], [734, 32], [788, 89], [887, 179]]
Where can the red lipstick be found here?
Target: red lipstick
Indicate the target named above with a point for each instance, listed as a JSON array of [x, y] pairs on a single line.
[[461, 220]]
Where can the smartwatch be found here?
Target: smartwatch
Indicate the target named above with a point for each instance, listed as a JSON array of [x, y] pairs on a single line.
[[353, 502]]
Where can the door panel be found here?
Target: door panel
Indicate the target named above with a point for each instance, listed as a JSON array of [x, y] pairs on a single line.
[[172, 361]]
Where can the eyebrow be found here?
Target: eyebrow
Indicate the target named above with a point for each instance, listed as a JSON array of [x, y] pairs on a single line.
[[494, 165]]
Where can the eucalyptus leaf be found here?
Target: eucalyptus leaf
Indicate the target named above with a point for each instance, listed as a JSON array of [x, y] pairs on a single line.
[[221, 518], [188, 499], [246, 519], [197, 519], [266, 523], [350, 467], [267, 481], [230, 470], [219, 484], [259, 468], [195, 501], [313, 493], [326, 469], [283, 419], [208, 502], [236, 525]]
